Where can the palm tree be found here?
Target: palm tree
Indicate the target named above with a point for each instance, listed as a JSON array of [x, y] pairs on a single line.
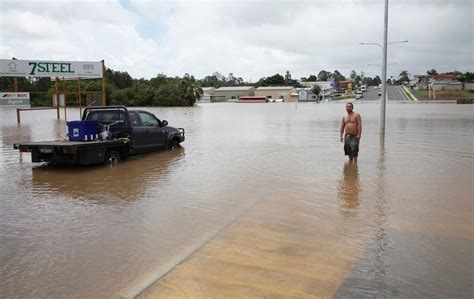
[[190, 90]]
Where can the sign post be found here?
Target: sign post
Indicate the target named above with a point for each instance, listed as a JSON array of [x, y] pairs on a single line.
[[15, 99]]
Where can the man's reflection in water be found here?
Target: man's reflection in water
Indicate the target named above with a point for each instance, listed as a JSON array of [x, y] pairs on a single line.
[[349, 188]]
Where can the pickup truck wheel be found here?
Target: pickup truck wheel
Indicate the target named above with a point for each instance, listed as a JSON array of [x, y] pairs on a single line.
[[174, 143], [112, 157]]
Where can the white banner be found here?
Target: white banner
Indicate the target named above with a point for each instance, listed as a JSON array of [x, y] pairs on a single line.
[[47, 68], [14, 99]]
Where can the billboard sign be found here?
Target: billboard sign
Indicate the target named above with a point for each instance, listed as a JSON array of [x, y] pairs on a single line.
[[48, 68], [14, 99]]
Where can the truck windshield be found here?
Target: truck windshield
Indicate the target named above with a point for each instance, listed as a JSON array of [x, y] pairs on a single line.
[[106, 117]]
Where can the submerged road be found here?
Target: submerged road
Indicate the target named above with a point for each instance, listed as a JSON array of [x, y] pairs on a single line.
[[394, 93]]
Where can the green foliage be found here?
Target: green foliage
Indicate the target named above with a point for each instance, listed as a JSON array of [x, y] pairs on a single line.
[[311, 78], [288, 80], [432, 72], [316, 89], [324, 75], [274, 80], [403, 77], [353, 75], [337, 76], [467, 77]]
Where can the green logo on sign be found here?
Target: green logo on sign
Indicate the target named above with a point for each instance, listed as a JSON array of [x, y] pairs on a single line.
[[46, 67]]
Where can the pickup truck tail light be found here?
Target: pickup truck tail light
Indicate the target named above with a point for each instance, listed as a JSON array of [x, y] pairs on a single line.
[[24, 149], [69, 150]]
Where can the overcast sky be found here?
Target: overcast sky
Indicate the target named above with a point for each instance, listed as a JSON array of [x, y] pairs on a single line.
[[250, 39]]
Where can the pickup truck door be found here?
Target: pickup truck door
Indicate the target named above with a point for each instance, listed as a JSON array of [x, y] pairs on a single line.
[[147, 131]]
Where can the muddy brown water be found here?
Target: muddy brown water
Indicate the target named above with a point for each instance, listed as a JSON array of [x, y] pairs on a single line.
[[399, 224]]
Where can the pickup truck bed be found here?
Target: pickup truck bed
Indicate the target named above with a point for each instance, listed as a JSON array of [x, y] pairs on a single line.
[[74, 152], [66, 143]]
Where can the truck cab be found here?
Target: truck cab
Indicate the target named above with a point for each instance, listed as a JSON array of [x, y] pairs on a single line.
[[147, 132]]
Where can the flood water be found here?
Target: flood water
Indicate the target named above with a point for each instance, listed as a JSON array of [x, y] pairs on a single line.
[[398, 224]]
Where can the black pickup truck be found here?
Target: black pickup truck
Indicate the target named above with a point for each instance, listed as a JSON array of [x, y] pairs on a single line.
[[123, 133]]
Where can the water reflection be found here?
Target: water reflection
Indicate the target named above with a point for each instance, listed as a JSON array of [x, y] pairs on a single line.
[[124, 182], [381, 241], [349, 188]]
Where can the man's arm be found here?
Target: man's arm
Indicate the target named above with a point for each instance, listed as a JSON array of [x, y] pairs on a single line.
[[359, 126], [342, 128]]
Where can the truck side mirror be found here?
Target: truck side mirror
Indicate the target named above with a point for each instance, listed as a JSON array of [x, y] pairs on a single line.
[[164, 123]]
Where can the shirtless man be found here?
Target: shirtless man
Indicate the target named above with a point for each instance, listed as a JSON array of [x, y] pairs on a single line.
[[351, 129]]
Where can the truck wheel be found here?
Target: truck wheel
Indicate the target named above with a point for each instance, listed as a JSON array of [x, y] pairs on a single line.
[[174, 143], [112, 157]]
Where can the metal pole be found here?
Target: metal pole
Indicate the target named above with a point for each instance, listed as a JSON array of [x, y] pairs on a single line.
[[384, 72], [104, 101], [65, 106]]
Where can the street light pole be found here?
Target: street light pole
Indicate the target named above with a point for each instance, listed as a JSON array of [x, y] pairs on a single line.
[[384, 73], [384, 67]]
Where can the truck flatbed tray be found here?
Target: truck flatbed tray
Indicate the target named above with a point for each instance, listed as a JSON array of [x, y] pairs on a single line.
[[66, 143]]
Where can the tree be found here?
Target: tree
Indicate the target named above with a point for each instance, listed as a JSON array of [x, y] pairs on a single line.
[[316, 89], [367, 81], [231, 80], [403, 77], [358, 80], [212, 81], [312, 78], [376, 81], [190, 90], [158, 80], [432, 72], [288, 80], [324, 75], [353, 75], [466, 77], [119, 79], [337, 76], [276, 79]]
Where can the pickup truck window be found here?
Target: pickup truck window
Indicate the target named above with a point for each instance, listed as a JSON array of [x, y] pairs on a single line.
[[134, 118], [148, 120], [105, 116]]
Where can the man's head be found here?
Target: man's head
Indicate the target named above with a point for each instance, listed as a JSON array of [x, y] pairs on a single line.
[[349, 107]]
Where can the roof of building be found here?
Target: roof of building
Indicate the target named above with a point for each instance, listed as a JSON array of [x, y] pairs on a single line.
[[275, 88], [444, 76], [208, 88], [234, 88]]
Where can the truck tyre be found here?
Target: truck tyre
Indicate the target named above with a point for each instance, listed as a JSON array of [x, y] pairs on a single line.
[[174, 143], [112, 157]]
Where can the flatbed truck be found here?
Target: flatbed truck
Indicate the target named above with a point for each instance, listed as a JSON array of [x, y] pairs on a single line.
[[127, 132]]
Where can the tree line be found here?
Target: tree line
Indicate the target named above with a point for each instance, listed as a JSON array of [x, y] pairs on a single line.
[[162, 90]]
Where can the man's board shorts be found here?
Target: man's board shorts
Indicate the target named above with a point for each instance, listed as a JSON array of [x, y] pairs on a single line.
[[351, 145]]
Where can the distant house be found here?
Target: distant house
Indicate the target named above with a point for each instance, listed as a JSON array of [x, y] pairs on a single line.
[[345, 86], [444, 78], [421, 81], [445, 82], [277, 92], [327, 86], [206, 94], [231, 93], [306, 95]]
